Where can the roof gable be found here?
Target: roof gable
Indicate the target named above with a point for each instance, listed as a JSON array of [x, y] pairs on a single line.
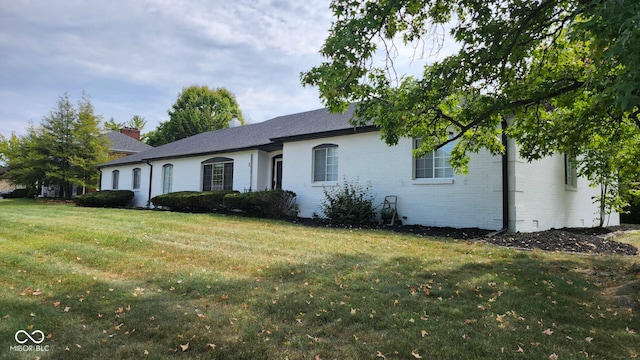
[[126, 144]]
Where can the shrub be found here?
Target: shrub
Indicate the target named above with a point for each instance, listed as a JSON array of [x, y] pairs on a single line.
[[192, 201], [17, 194], [268, 203], [631, 214], [105, 198], [348, 204]]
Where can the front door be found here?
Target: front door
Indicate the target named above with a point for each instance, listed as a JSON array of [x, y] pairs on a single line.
[[276, 182]]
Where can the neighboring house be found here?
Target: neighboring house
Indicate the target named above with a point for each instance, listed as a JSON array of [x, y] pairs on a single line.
[[121, 143], [125, 142], [309, 151], [6, 186]]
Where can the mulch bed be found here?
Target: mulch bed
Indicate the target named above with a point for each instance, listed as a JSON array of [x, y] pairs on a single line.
[[579, 240]]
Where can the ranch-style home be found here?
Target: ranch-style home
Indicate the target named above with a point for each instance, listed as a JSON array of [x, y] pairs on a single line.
[[309, 151]]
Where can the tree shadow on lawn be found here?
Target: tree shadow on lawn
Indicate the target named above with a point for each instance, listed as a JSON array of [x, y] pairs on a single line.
[[340, 306]]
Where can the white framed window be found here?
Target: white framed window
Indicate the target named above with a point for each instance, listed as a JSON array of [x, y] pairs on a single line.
[[325, 163], [115, 179], [137, 177], [570, 172], [217, 174], [167, 178], [434, 165]]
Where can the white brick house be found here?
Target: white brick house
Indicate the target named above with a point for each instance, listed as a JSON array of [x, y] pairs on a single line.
[[308, 151]]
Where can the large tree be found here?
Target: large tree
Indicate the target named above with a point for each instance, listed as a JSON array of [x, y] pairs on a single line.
[[198, 109], [505, 67], [63, 151]]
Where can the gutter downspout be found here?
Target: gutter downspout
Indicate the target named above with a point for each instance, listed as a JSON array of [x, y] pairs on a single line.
[[150, 179], [505, 178], [251, 174], [505, 184]]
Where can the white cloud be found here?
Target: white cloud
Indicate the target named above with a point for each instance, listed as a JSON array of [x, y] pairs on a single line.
[[134, 57]]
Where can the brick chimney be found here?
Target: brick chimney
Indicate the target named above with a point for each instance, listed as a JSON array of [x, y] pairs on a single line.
[[131, 132]]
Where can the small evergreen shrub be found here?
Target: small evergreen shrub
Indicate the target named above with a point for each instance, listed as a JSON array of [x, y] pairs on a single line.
[[105, 198], [192, 201], [267, 203], [348, 204]]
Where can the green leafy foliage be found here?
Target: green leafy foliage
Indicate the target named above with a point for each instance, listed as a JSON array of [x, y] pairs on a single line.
[[514, 57], [191, 201], [198, 109], [105, 198], [136, 122], [348, 204], [64, 150], [267, 203]]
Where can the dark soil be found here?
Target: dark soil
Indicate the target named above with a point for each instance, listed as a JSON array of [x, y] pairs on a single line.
[[580, 240]]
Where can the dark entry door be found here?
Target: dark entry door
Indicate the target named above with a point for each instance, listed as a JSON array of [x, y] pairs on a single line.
[[276, 182]]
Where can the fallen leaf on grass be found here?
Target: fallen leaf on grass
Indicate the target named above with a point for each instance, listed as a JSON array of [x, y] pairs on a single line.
[[548, 332], [415, 354], [380, 355], [184, 347], [588, 339], [211, 346], [553, 356]]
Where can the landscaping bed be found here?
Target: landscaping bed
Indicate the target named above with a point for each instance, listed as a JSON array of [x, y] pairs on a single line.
[[582, 240]]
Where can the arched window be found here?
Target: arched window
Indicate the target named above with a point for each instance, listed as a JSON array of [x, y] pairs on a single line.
[[137, 176], [217, 174], [167, 178], [115, 178], [325, 163]]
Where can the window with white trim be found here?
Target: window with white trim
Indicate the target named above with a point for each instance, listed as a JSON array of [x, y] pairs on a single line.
[[115, 179], [325, 163], [217, 174], [434, 165], [167, 178], [137, 177], [570, 172]]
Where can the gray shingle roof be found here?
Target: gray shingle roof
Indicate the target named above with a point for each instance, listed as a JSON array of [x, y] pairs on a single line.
[[265, 135], [126, 144]]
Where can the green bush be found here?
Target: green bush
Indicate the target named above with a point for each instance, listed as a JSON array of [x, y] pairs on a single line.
[[17, 194], [105, 198], [192, 201], [632, 211], [348, 204], [267, 203]]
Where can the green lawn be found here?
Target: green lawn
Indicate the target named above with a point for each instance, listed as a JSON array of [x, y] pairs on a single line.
[[120, 284]]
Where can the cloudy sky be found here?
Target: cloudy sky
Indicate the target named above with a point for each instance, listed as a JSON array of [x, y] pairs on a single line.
[[134, 57]]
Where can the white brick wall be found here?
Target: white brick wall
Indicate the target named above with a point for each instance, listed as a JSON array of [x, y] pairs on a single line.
[[471, 200], [543, 201], [539, 199]]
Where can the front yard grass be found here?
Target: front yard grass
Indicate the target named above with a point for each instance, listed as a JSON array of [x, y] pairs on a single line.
[[120, 284]]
